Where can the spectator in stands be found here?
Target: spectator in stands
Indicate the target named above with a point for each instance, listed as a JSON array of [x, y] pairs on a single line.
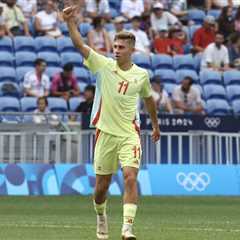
[[160, 96], [161, 19], [234, 51], [226, 22], [179, 8], [46, 22], [98, 8], [118, 27], [204, 35], [216, 56], [3, 28], [219, 4], [40, 114], [161, 42], [86, 106], [14, 18], [36, 83], [64, 84], [142, 41], [98, 38], [131, 8], [237, 21], [186, 98], [29, 8]]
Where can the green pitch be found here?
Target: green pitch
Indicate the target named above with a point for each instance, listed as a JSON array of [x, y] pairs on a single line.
[[167, 218]]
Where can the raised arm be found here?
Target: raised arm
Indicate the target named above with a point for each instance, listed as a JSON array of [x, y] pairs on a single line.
[[68, 16]]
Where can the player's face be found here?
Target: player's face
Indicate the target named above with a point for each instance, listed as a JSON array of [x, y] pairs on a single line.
[[122, 50]]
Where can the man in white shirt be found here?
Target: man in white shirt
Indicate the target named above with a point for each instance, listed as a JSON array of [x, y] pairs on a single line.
[[29, 7], [216, 56], [118, 27], [161, 19], [96, 8], [186, 98], [131, 8], [142, 42], [36, 83]]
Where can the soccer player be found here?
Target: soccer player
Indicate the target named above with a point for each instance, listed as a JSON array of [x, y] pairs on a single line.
[[119, 84]]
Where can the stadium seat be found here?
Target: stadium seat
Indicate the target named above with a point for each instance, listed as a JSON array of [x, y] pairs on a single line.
[[114, 12], [51, 71], [197, 62], [57, 104], [7, 74], [52, 59], [109, 27], [167, 76], [75, 58], [64, 44], [196, 15], [84, 28], [82, 74], [217, 107], [115, 4], [210, 77], [9, 104], [74, 103], [169, 87], [214, 12], [161, 61], [64, 29], [23, 43], [82, 86], [9, 89], [127, 26], [47, 44], [28, 104], [21, 71], [142, 60], [6, 59], [231, 77], [6, 44], [25, 59], [233, 92], [182, 73], [183, 62], [192, 30], [214, 91], [236, 106]]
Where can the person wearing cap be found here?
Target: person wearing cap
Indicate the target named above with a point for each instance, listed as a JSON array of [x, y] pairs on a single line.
[[160, 96], [64, 84], [118, 27], [215, 56], [205, 34], [131, 8], [142, 41], [161, 18]]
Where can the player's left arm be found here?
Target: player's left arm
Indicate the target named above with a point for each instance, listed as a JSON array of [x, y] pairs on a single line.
[[151, 108]]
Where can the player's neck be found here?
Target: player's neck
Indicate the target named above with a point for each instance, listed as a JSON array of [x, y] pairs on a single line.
[[125, 66]]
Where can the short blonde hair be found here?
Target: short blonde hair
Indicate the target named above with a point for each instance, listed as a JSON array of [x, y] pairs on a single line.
[[123, 35]]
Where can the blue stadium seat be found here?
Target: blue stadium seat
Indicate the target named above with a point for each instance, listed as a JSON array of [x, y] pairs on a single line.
[[192, 30], [214, 12], [167, 76], [236, 106], [82, 74], [115, 4], [114, 12], [210, 77], [25, 59], [231, 77], [71, 57], [6, 59], [127, 26], [9, 104], [57, 104], [74, 103], [9, 89], [109, 27], [51, 71], [28, 104], [183, 62], [182, 73], [161, 61], [23, 43], [233, 92], [217, 107], [196, 15], [84, 28], [64, 29], [142, 60], [169, 87], [6, 44], [52, 59], [21, 71], [197, 61], [64, 44], [47, 44], [214, 91], [7, 74], [82, 86]]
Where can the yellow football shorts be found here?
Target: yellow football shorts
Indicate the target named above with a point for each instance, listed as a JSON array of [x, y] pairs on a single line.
[[110, 151]]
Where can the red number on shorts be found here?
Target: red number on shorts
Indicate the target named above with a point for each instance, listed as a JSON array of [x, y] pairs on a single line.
[[123, 86]]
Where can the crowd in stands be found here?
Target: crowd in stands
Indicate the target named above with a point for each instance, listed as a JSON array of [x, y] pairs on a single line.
[[191, 49]]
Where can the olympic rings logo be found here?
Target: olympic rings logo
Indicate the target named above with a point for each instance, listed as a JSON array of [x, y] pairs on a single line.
[[193, 181], [212, 122]]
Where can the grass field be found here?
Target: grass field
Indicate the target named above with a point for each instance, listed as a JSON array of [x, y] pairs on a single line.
[[159, 218]]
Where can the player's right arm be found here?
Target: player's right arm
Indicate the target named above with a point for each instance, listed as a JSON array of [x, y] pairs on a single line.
[[68, 16]]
